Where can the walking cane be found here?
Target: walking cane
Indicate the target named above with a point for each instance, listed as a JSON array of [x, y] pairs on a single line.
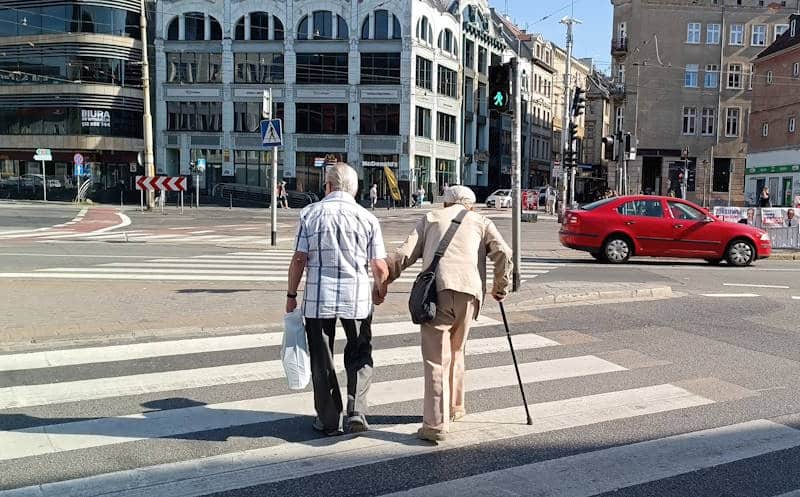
[[516, 367]]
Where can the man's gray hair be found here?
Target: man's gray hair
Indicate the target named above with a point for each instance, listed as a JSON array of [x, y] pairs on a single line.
[[459, 195], [342, 177]]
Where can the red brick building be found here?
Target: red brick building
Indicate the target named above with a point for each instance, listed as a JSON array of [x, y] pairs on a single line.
[[774, 141]]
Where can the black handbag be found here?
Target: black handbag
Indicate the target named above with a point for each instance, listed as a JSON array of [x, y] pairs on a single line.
[[423, 299]]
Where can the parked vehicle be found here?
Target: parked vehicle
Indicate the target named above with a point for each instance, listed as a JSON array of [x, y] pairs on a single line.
[[614, 229], [500, 198]]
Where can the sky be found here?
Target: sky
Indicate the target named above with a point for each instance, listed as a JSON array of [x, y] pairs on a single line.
[[592, 38]]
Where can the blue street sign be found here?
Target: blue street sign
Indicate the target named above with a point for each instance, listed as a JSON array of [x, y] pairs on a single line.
[[271, 133], [201, 165]]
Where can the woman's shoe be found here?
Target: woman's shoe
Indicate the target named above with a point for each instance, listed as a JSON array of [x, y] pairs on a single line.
[[431, 435]]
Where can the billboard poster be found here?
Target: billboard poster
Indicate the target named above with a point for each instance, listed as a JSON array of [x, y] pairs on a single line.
[[771, 217], [729, 214]]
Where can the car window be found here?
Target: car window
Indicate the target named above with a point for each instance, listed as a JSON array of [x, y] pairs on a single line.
[[642, 208], [687, 212], [594, 205], [503, 193]]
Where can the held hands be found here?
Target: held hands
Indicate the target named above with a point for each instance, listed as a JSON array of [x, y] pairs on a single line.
[[379, 293], [291, 304], [498, 296]]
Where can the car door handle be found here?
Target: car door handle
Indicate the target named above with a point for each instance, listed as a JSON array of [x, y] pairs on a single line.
[[630, 222], [677, 226]]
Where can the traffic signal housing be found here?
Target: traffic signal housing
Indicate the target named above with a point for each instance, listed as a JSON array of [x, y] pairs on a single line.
[[572, 134], [610, 143], [500, 88], [579, 102]]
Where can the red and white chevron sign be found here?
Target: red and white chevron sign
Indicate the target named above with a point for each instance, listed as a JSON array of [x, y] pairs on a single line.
[[167, 183]]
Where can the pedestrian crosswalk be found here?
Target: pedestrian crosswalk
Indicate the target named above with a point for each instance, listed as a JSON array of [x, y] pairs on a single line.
[[264, 266], [206, 415]]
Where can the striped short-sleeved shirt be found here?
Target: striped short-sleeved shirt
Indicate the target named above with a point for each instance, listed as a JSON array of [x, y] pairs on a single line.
[[340, 239]]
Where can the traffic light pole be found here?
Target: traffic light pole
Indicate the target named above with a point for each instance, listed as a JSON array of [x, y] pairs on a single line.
[[149, 162], [569, 22], [516, 173]]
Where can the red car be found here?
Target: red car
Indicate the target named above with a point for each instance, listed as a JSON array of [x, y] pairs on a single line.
[[614, 229]]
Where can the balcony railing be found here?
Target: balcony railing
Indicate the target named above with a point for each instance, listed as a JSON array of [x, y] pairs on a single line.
[[619, 46], [617, 90]]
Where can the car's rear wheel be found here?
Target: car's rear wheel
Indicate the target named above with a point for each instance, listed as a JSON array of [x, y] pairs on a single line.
[[617, 250], [740, 253]]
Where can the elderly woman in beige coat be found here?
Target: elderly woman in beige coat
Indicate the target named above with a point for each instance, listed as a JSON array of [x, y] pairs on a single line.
[[461, 286]]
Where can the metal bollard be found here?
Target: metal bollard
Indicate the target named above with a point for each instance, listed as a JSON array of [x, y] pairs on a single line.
[[230, 196]]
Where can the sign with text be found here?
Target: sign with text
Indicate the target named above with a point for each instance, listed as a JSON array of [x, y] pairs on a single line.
[[91, 118]]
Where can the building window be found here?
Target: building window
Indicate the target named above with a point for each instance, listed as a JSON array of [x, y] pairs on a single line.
[[691, 76], [447, 82], [469, 54], [480, 99], [247, 116], [424, 73], [711, 79], [713, 34], [195, 27], [621, 74], [191, 67], [258, 68], [780, 29], [319, 118], [693, 32], [722, 174], [194, 116], [735, 76], [446, 127], [707, 122], [322, 25], [750, 76], [689, 120], [259, 27], [482, 61], [619, 120], [793, 28], [380, 119], [423, 122], [322, 69], [469, 95], [736, 36], [764, 129], [770, 77], [796, 70], [758, 36], [792, 125], [447, 42], [424, 31], [380, 68], [732, 121]]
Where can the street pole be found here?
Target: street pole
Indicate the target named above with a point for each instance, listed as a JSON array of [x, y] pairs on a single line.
[[569, 22], [266, 113], [44, 181], [149, 163], [516, 172]]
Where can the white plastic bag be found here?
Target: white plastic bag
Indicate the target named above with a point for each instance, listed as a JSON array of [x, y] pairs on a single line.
[[294, 351]]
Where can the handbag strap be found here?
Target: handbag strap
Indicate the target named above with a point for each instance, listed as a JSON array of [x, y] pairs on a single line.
[[446, 239]]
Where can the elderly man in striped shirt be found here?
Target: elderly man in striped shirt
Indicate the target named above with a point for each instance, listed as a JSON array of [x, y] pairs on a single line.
[[336, 240]]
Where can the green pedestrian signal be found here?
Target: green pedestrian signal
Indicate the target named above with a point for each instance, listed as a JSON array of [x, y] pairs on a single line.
[[499, 99]]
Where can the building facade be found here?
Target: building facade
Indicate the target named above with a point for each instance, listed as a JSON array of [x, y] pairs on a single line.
[[70, 81], [684, 68], [773, 158], [376, 83]]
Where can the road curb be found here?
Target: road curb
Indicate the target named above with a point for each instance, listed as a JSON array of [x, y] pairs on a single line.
[[784, 257]]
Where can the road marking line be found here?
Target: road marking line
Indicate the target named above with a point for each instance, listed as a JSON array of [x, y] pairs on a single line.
[[748, 285], [35, 234], [194, 478], [730, 295], [100, 388], [202, 232], [76, 256], [796, 298], [92, 433], [608, 470], [129, 352], [161, 270]]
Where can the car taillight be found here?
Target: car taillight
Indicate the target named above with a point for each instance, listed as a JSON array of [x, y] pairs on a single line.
[[573, 219]]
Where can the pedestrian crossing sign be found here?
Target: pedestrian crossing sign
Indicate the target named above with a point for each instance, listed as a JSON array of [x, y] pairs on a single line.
[[271, 133]]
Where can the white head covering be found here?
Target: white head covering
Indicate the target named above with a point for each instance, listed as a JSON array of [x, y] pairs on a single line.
[[459, 195]]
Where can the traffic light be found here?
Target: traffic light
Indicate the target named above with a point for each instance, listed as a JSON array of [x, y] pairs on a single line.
[[610, 147], [500, 88], [570, 158], [579, 102], [573, 133], [627, 143]]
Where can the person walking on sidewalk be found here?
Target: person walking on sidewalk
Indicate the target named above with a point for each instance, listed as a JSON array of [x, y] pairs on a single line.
[[461, 285], [373, 196], [283, 196], [336, 240]]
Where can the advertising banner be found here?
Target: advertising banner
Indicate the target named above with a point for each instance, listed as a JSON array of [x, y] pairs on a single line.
[[772, 217], [729, 214]]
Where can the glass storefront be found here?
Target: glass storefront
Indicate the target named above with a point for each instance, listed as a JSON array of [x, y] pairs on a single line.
[[71, 17], [374, 174], [445, 174], [309, 177], [254, 167], [70, 121]]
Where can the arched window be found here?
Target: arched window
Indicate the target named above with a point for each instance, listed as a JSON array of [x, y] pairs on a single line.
[[365, 29], [259, 26], [343, 32], [447, 42], [195, 23], [396, 31], [278, 29], [216, 29], [323, 25], [172, 30], [424, 30], [302, 29], [381, 25]]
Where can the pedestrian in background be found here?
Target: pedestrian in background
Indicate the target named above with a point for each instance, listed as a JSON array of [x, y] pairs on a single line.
[[338, 287], [283, 196], [764, 198], [420, 196], [461, 285], [373, 196]]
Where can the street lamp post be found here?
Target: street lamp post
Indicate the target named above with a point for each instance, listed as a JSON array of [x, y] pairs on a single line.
[[149, 163]]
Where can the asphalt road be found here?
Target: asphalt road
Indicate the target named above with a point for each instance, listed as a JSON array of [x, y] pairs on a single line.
[[23, 216], [122, 375]]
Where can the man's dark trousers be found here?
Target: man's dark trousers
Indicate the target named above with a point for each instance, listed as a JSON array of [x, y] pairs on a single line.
[[357, 362]]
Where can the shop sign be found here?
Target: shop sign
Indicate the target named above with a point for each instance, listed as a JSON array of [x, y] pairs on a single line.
[[773, 169], [91, 118], [372, 163]]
